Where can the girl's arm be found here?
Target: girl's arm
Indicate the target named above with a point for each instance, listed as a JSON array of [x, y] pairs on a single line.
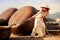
[[33, 16]]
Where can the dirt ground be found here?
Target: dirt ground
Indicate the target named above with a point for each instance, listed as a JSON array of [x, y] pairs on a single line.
[[15, 37]]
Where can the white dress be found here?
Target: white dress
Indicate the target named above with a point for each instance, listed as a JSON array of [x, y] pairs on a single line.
[[39, 27]]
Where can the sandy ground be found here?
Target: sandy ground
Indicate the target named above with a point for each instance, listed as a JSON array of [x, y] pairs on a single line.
[[15, 37]]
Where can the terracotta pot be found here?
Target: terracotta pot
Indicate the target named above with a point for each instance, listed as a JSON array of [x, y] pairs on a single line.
[[20, 16], [5, 16]]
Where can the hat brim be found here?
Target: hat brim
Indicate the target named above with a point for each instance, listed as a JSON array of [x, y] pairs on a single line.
[[46, 7]]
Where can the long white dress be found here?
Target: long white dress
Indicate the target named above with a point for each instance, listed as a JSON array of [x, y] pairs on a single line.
[[39, 27]]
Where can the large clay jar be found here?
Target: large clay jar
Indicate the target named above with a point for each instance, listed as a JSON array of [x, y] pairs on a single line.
[[20, 16], [5, 16]]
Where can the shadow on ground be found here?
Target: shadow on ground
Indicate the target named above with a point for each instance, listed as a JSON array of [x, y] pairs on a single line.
[[24, 38]]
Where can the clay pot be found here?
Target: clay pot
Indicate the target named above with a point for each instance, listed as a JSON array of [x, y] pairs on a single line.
[[20, 16], [5, 16]]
